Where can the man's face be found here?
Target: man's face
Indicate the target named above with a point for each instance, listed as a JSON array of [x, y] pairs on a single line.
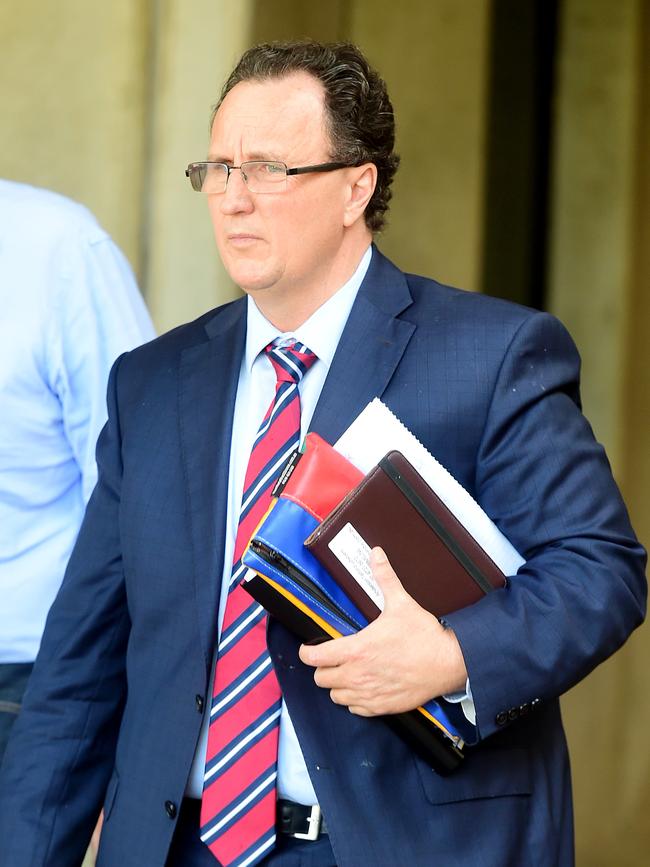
[[283, 245]]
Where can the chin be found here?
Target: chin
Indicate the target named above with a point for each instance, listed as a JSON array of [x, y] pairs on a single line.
[[246, 271], [251, 279]]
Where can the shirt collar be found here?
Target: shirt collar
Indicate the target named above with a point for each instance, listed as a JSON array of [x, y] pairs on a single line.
[[321, 332]]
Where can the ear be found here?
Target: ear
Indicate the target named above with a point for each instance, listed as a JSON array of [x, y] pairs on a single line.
[[363, 180]]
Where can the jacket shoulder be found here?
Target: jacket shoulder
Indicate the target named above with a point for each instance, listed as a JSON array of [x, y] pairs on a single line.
[[168, 347], [433, 297]]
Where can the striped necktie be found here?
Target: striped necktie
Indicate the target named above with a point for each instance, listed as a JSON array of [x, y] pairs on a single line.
[[238, 805]]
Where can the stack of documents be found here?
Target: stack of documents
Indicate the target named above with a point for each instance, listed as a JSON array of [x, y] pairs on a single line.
[[308, 561]]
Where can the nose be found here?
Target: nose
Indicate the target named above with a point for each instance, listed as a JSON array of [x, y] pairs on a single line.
[[237, 197]]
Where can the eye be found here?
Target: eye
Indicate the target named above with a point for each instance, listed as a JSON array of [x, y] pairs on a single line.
[[264, 176], [268, 170]]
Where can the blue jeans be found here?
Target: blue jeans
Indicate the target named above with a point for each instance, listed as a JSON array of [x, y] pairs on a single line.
[[13, 682]]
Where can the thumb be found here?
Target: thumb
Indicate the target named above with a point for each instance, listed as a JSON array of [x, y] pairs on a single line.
[[384, 575]]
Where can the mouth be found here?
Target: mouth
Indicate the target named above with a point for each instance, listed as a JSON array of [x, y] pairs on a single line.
[[242, 239]]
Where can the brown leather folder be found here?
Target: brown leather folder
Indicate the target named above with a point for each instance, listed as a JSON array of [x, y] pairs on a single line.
[[437, 560]]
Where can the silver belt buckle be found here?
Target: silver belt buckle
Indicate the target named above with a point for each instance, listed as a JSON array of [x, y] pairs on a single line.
[[314, 820]]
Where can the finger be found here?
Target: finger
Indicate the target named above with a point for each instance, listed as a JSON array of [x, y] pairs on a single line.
[[359, 710], [328, 654], [384, 574], [348, 698], [329, 678]]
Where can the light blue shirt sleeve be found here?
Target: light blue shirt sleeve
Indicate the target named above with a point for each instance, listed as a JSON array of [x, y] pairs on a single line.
[[97, 313], [70, 306]]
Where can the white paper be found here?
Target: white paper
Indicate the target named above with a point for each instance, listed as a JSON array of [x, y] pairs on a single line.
[[377, 431], [349, 547]]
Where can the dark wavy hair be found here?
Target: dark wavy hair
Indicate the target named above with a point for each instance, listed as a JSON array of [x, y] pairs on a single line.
[[359, 114]]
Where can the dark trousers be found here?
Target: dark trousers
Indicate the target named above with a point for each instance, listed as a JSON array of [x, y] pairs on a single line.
[[13, 682], [187, 850]]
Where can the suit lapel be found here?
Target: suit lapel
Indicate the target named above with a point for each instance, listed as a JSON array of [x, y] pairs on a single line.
[[208, 385], [370, 348]]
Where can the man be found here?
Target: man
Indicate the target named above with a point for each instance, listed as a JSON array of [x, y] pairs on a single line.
[[298, 180], [70, 306]]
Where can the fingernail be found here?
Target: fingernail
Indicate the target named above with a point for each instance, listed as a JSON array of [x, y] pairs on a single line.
[[378, 556]]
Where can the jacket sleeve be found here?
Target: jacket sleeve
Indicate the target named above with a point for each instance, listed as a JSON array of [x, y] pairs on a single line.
[[546, 482], [61, 753]]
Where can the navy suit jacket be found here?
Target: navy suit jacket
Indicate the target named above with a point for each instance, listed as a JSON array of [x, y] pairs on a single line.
[[113, 710]]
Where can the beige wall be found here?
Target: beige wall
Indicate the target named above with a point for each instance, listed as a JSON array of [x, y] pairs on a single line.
[[433, 57], [193, 53], [635, 422], [107, 103], [600, 276], [72, 89], [593, 192]]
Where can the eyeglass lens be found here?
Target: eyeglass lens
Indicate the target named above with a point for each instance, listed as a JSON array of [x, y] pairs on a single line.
[[259, 176]]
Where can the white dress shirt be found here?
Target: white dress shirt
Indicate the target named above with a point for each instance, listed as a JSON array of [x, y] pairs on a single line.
[[255, 391], [69, 306]]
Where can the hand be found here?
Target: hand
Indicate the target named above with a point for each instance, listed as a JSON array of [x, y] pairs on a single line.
[[399, 661]]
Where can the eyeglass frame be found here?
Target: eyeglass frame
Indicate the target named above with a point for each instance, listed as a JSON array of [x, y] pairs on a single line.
[[298, 170]]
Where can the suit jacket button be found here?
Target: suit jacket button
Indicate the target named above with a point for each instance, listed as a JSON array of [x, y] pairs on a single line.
[[199, 703], [513, 714], [501, 718], [170, 809]]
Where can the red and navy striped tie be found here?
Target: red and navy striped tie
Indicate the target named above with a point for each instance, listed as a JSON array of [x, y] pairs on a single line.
[[238, 806]]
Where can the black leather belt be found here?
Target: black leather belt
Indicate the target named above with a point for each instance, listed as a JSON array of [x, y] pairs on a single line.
[[297, 820], [294, 820]]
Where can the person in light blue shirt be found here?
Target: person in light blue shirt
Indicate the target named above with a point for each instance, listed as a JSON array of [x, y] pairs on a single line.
[[69, 306]]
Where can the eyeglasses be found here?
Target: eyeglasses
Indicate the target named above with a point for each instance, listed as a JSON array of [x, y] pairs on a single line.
[[260, 176]]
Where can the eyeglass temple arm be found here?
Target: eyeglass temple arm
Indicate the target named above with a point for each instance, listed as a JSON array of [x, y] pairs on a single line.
[[321, 167]]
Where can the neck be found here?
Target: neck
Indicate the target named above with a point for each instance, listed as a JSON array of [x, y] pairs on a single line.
[[287, 310]]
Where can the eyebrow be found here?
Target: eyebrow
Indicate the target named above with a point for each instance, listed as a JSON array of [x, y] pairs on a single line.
[[263, 157]]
